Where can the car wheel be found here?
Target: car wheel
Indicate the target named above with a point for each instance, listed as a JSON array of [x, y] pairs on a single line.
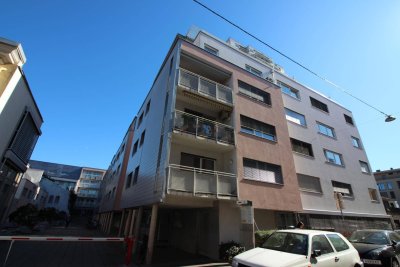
[[395, 263]]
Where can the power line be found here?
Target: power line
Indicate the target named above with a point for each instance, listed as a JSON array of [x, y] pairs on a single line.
[[389, 118]]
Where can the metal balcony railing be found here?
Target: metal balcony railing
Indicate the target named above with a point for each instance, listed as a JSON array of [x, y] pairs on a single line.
[[201, 127], [201, 181], [204, 86]]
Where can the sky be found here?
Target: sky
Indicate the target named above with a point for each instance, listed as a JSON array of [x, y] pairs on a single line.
[[90, 64]]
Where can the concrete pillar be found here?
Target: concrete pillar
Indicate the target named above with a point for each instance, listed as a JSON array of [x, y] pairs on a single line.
[[152, 232], [110, 222], [127, 222], [131, 223], [121, 223]]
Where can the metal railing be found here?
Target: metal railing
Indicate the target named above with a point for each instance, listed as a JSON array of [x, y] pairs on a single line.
[[201, 181], [201, 127], [204, 86]]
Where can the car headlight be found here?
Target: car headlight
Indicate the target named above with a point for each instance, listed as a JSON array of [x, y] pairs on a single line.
[[374, 254], [234, 263]]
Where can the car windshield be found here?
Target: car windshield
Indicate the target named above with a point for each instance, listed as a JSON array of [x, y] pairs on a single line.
[[287, 242], [369, 237]]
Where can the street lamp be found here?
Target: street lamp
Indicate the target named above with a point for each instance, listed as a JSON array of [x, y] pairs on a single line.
[[389, 118]]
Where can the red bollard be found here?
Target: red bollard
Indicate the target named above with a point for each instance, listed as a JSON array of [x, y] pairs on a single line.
[[128, 253]]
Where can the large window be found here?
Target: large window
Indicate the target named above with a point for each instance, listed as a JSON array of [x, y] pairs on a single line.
[[253, 70], [301, 147], [135, 176], [343, 188], [333, 157], [318, 104], [196, 161], [254, 93], [373, 194], [211, 49], [356, 142], [286, 89], [142, 138], [348, 119], [382, 186], [364, 167], [309, 183], [295, 117], [129, 180], [257, 128], [326, 130], [262, 171]]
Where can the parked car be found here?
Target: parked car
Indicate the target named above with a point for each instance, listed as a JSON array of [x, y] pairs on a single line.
[[377, 247], [301, 248]]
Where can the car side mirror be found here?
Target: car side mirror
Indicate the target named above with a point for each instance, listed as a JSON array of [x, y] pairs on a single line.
[[316, 253], [395, 244]]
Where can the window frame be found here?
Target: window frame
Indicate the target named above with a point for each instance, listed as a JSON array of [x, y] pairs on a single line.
[[142, 136], [253, 70], [262, 166], [355, 140], [290, 91], [326, 127], [343, 187], [210, 49], [305, 189], [335, 154], [365, 165], [373, 191], [319, 104], [270, 136], [348, 119], [303, 146], [249, 90], [293, 120]]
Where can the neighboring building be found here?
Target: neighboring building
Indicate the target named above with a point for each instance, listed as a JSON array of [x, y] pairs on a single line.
[[225, 141], [84, 181], [20, 122], [389, 187], [87, 190]]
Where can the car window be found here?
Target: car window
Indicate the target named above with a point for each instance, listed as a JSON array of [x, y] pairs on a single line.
[[287, 242], [338, 243], [321, 243], [394, 236], [369, 237]]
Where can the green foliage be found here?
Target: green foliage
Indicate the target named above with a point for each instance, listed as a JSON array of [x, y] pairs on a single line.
[[262, 235], [24, 215], [229, 250]]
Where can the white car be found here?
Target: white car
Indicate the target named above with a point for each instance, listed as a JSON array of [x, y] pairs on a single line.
[[301, 248]]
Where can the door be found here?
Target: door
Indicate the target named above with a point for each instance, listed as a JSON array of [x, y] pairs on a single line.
[[328, 257]]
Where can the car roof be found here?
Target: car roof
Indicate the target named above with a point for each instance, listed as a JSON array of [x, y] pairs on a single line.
[[306, 232]]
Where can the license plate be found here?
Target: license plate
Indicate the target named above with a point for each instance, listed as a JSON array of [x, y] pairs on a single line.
[[376, 262]]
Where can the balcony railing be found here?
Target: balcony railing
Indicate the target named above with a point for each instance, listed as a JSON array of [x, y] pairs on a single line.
[[201, 127], [201, 182], [205, 86]]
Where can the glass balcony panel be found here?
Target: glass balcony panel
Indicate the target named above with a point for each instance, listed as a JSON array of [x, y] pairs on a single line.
[[206, 129], [227, 185], [205, 182], [189, 80], [181, 179], [185, 122], [225, 134], [208, 88], [224, 93]]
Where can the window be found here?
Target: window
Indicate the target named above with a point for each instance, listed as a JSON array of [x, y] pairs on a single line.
[[148, 107], [51, 198], [309, 183], [211, 49], [135, 176], [389, 185], [253, 70], [333, 157], [135, 147], [343, 188], [286, 89], [129, 180], [326, 130], [382, 186], [392, 195], [196, 161], [319, 105], [321, 243], [301, 147], [373, 194], [356, 142], [140, 120], [254, 93], [348, 119], [364, 167], [142, 138], [57, 200], [295, 117], [337, 242], [119, 168], [384, 194], [257, 128], [262, 171], [113, 192]]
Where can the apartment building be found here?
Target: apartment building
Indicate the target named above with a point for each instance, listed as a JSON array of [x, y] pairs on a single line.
[[20, 122], [225, 142]]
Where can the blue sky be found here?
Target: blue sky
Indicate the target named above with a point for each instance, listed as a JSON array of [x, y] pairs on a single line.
[[91, 63]]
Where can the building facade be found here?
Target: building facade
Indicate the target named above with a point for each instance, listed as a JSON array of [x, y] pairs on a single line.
[[226, 143], [20, 122]]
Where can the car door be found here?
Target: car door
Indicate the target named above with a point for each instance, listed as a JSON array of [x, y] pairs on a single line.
[[327, 257], [344, 253]]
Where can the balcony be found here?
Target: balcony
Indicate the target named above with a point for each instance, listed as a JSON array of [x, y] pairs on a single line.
[[203, 86], [203, 128], [201, 182]]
